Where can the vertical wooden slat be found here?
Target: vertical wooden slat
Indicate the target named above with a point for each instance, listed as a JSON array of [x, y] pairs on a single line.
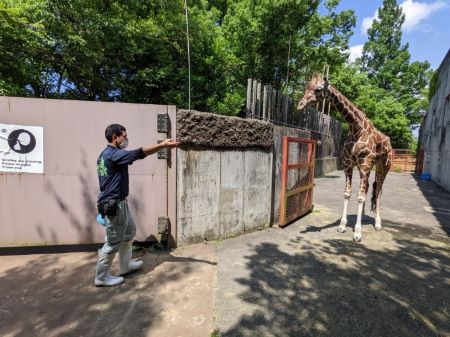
[[255, 86], [273, 111], [285, 108], [291, 111], [248, 109], [265, 102], [269, 102], [258, 100], [278, 106]]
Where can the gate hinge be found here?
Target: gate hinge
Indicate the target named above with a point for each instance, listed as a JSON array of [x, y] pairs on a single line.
[[163, 224], [163, 153], [163, 123]]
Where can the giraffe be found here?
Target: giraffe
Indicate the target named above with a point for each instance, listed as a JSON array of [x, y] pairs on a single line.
[[364, 147]]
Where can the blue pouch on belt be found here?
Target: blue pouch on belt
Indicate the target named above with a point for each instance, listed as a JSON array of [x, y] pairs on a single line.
[[101, 220]]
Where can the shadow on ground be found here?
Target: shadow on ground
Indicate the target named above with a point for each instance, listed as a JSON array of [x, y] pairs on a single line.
[[334, 287], [439, 200], [54, 295]]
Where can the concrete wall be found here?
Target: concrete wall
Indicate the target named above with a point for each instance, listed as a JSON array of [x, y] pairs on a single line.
[[222, 193], [224, 177], [435, 130]]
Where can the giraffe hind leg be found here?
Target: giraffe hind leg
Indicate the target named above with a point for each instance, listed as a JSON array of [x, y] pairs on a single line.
[[381, 172]]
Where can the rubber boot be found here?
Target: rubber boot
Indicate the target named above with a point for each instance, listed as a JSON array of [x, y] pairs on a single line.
[[126, 264], [102, 276]]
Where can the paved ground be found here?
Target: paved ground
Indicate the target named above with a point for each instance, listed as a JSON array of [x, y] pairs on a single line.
[[304, 280]]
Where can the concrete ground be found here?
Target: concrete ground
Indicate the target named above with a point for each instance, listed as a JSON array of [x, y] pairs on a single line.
[[54, 295], [304, 280]]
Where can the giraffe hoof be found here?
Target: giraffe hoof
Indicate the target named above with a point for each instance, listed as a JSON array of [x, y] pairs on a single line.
[[378, 225], [357, 238], [341, 229]]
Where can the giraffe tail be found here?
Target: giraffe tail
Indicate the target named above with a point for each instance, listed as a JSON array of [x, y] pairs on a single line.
[[374, 198]]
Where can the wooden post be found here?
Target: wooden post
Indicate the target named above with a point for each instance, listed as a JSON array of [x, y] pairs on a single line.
[[248, 110], [406, 161], [269, 102]]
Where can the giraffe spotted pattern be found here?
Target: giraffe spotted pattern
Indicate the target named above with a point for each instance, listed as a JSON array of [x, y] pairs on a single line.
[[364, 148]]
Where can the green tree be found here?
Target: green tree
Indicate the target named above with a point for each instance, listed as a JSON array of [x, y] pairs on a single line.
[[387, 63], [23, 57]]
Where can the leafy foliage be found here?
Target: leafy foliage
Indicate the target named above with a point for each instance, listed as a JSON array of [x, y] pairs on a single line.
[[136, 51]]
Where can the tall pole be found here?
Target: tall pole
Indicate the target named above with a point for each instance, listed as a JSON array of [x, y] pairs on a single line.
[[188, 54]]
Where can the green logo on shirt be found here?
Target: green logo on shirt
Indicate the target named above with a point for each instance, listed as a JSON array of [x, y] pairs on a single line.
[[101, 168]]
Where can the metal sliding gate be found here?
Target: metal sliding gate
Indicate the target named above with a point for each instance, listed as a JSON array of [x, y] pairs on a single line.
[[57, 206], [297, 178]]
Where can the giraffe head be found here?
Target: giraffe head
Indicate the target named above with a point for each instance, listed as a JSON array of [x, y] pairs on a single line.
[[315, 91]]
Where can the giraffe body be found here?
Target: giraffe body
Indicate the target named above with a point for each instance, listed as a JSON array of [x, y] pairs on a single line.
[[364, 147]]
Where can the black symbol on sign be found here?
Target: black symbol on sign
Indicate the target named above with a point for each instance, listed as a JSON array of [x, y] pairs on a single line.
[[21, 141]]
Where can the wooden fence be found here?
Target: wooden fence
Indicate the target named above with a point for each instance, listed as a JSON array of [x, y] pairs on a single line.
[[266, 103]]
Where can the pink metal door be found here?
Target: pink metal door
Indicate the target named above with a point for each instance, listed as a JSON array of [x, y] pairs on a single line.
[[58, 206]]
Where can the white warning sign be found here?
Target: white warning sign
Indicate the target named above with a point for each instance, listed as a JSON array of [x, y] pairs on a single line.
[[21, 148]]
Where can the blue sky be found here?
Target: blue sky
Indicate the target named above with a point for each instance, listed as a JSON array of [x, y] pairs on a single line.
[[426, 27]]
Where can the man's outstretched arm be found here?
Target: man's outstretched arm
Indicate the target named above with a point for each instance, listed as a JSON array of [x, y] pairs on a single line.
[[151, 149]]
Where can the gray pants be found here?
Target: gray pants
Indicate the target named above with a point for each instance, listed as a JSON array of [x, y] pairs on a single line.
[[119, 228]]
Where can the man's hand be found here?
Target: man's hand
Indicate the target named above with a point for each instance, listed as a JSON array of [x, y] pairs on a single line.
[[170, 143]]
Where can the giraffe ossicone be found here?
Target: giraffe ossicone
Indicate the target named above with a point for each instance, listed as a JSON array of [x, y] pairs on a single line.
[[364, 147]]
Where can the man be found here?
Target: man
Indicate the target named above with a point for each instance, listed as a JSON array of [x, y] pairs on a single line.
[[112, 169]]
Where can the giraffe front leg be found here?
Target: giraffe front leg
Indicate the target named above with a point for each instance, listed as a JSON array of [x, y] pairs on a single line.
[[378, 217], [347, 193], [364, 175]]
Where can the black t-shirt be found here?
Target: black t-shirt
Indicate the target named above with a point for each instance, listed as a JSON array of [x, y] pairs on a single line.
[[112, 170]]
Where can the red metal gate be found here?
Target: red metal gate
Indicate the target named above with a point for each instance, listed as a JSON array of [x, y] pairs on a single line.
[[297, 178], [403, 160]]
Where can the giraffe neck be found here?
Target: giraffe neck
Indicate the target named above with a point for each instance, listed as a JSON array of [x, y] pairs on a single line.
[[356, 119]]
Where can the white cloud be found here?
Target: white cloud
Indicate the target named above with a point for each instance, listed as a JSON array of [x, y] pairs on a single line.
[[355, 52], [415, 14], [367, 22]]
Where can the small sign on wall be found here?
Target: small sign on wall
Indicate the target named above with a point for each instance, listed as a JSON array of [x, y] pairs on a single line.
[[21, 148]]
